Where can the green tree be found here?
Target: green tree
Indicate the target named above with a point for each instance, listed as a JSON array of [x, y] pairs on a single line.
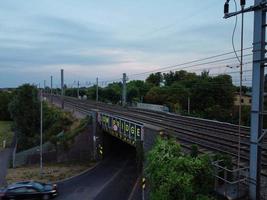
[[157, 95], [155, 79], [25, 112], [136, 90], [173, 175], [5, 98]]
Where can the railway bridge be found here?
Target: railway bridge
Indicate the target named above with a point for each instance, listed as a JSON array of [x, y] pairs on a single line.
[[139, 128]]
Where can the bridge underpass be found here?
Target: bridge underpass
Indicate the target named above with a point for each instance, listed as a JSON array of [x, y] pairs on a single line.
[[119, 144]]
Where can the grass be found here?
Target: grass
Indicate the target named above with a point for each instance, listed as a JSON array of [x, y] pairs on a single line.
[[51, 172], [6, 133]]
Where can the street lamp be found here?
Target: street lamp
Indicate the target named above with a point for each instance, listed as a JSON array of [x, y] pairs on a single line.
[[41, 132]]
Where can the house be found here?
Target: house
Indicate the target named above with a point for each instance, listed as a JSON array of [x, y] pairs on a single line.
[[246, 99]]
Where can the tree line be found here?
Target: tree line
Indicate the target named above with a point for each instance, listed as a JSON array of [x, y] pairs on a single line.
[[210, 97]]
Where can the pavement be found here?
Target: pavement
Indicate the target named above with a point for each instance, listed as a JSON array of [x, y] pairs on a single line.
[[5, 157], [113, 178], [4, 164]]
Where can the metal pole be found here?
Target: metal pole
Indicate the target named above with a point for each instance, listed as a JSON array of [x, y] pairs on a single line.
[[51, 89], [44, 86], [94, 116], [240, 89], [257, 101], [124, 92], [62, 88], [78, 88], [41, 132], [97, 89], [188, 105]]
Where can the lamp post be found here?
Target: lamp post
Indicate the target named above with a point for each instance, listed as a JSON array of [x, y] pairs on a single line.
[[41, 132]]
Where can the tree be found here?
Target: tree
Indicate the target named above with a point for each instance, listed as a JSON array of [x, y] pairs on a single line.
[[173, 175], [25, 112], [5, 98], [155, 79], [169, 78], [177, 97], [136, 90], [157, 95], [112, 93]]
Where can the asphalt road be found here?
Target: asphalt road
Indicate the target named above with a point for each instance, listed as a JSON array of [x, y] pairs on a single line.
[[113, 178], [4, 162]]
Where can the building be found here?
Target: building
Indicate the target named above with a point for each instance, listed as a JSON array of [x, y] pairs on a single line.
[[245, 99]]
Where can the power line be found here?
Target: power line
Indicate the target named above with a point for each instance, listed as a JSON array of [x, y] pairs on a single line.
[[190, 62], [181, 68]]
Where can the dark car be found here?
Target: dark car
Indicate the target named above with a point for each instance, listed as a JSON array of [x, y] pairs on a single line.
[[29, 190]]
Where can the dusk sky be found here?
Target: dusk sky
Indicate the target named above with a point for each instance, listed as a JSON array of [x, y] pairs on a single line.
[[105, 38]]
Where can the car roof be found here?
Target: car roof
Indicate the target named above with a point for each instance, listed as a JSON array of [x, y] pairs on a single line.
[[22, 184]]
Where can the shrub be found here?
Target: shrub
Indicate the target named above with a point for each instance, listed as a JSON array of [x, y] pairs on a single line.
[[173, 175]]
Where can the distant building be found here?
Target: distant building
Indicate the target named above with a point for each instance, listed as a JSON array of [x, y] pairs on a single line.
[[245, 99]]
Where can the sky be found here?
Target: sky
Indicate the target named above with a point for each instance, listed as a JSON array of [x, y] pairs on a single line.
[[106, 38]]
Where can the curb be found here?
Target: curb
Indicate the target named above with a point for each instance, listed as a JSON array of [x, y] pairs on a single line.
[[80, 174], [134, 187]]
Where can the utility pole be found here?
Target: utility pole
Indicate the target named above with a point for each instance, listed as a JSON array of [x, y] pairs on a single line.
[[78, 88], [188, 105], [44, 86], [41, 132], [257, 100], [124, 89], [257, 112], [51, 88], [62, 88], [97, 89]]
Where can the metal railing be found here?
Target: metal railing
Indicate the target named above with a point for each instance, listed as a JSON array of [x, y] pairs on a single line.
[[231, 183]]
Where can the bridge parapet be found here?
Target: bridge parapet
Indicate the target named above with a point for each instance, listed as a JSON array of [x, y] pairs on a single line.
[[127, 130]]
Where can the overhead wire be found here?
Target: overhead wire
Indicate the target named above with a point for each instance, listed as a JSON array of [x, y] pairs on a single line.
[[233, 34], [190, 62]]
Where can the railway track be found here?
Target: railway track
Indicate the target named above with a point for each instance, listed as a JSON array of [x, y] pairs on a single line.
[[210, 136]]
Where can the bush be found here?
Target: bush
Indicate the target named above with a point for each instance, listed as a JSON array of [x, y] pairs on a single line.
[[173, 175], [194, 151]]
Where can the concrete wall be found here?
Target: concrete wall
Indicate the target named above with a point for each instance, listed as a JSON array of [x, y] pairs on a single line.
[[80, 150], [154, 107], [150, 135]]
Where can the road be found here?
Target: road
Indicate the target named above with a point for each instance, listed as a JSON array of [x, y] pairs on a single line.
[[4, 161], [113, 178], [5, 157]]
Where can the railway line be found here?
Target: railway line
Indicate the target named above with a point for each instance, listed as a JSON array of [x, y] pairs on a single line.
[[210, 136]]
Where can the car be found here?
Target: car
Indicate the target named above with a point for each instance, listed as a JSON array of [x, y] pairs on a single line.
[[29, 190]]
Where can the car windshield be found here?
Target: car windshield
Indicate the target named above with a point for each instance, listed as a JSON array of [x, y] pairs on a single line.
[[37, 185]]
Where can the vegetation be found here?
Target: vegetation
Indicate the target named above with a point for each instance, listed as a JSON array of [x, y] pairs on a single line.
[[25, 112], [52, 172], [5, 98], [6, 133], [174, 175], [66, 139]]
